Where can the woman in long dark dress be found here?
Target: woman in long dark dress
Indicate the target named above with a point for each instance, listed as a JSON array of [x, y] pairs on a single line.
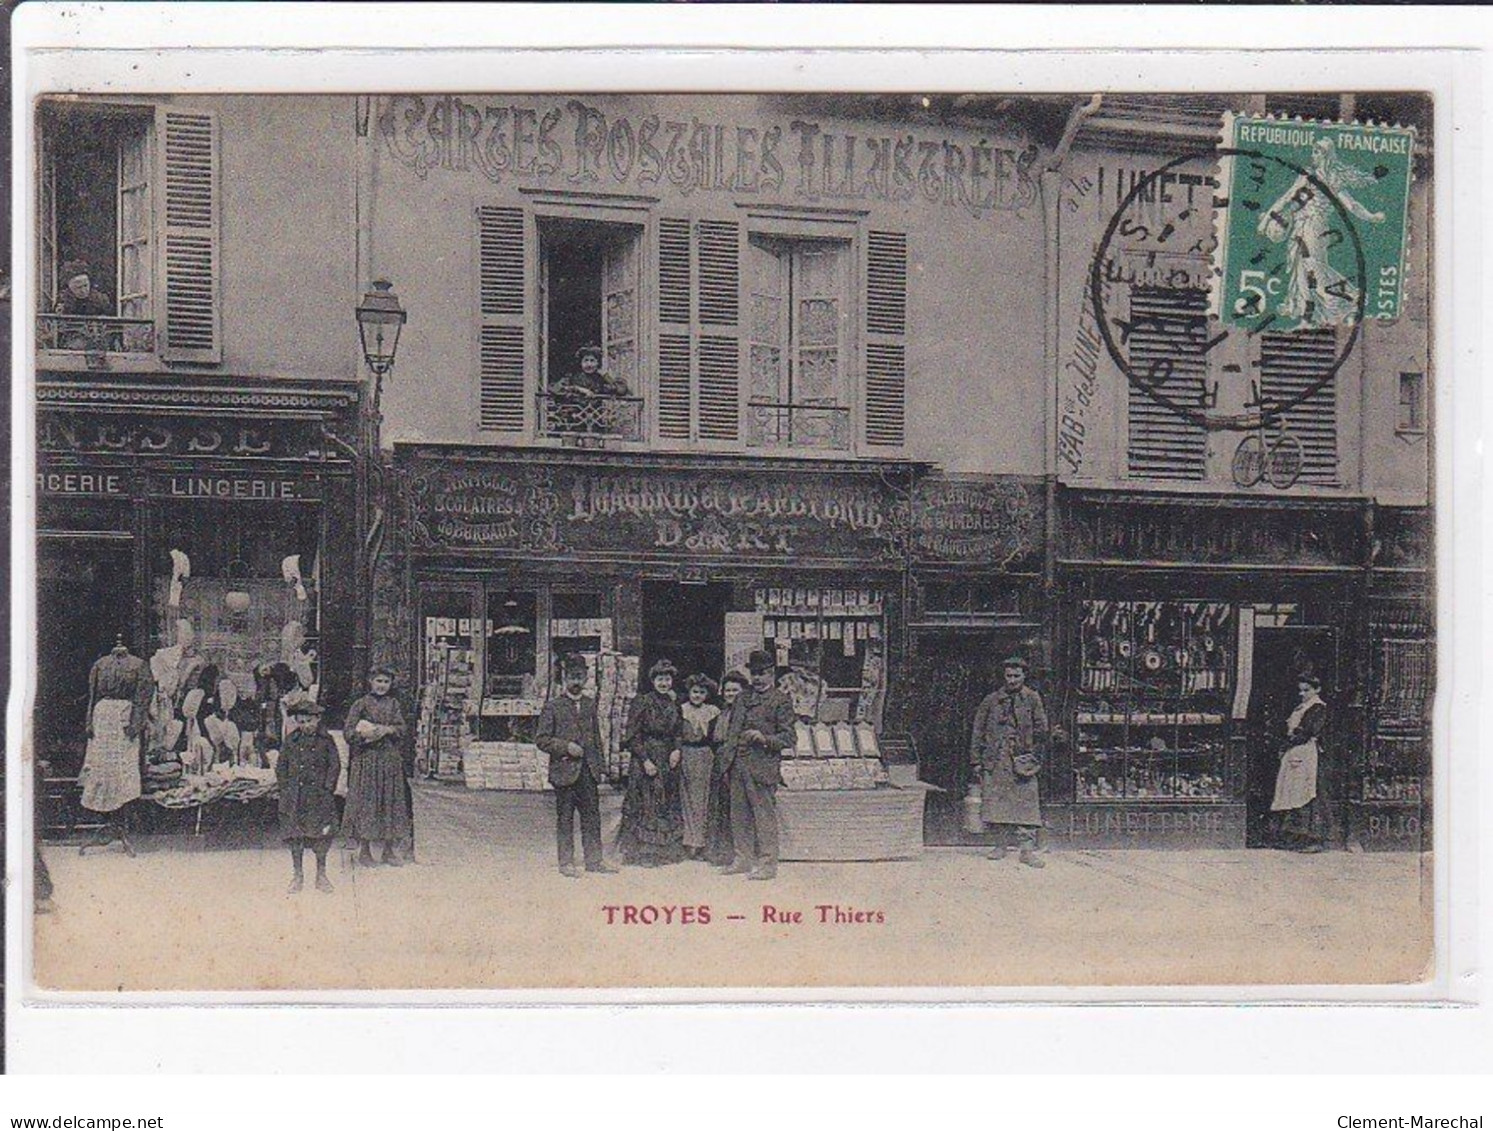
[[719, 848], [1299, 813], [652, 830], [376, 804]]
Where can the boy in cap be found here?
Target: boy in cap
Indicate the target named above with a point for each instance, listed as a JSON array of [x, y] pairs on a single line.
[[307, 773], [760, 728], [568, 732], [1005, 750]]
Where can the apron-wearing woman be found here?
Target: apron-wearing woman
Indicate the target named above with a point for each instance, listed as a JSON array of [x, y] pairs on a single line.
[[1299, 812], [119, 694], [697, 759]]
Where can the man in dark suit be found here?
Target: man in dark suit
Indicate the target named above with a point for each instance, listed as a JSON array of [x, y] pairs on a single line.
[[569, 734], [760, 729]]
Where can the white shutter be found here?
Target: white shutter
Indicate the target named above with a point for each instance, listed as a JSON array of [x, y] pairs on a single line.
[[502, 270], [886, 340], [191, 267], [718, 303], [1290, 364], [1162, 444], [675, 371]]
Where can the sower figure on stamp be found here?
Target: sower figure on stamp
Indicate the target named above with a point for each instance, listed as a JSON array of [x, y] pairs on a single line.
[[569, 733], [307, 775], [1006, 749], [761, 727]]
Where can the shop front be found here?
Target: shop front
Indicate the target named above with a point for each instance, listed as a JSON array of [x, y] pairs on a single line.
[[212, 535], [517, 558], [1184, 627], [978, 549]]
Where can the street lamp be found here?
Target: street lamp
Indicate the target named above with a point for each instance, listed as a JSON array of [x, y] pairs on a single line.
[[380, 318]]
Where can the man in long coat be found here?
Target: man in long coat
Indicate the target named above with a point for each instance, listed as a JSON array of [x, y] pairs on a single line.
[[1010, 736], [569, 733]]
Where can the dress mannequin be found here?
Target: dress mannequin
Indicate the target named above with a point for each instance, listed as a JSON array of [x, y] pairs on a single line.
[[119, 693]]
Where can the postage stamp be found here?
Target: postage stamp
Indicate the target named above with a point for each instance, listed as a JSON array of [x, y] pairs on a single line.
[[1311, 209]]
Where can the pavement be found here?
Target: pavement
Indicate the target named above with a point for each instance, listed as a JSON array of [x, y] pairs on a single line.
[[485, 908]]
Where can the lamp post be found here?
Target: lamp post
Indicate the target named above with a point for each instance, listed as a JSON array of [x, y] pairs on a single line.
[[380, 319]]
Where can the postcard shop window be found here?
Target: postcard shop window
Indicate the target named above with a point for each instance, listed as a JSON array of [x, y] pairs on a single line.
[[96, 255], [798, 395], [512, 642]]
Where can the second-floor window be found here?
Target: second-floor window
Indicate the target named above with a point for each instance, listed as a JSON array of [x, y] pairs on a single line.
[[797, 395], [96, 239], [128, 254]]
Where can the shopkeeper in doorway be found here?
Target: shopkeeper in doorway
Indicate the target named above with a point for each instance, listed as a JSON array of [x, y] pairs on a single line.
[[761, 727], [1006, 748], [377, 805], [569, 733], [1300, 819]]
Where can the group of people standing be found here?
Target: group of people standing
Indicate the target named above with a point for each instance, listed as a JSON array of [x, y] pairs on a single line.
[[702, 776]]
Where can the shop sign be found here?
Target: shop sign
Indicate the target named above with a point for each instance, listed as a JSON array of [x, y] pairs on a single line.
[[96, 483], [234, 488], [1129, 826], [578, 144], [993, 522], [1192, 534], [522, 507]]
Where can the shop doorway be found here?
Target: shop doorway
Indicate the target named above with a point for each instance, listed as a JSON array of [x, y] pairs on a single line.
[[952, 673], [84, 597], [1280, 655], [685, 624]]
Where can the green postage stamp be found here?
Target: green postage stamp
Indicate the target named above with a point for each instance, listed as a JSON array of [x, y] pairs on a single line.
[[1312, 228]]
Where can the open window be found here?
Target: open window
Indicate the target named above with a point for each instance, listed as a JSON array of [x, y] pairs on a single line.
[[96, 245], [798, 395], [589, 297]]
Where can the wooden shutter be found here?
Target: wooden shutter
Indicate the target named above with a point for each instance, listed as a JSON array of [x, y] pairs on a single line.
[[190, 251], [1290, 364], [718, 303], [1162, 444], [675, 407], [886, 340], [699, 335], [503, 351]]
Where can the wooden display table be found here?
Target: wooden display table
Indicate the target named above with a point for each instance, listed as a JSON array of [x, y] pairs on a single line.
[[851, 824]]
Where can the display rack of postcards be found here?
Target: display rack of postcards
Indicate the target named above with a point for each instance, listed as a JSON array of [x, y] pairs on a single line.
[[832, 644], [834, 756], [442, 731], [1155, 682]]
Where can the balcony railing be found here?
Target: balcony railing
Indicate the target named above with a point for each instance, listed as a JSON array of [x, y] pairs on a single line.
[[588, 421], [798, 426], [94, 334]]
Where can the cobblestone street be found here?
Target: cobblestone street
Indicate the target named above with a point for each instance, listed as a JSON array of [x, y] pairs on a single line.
[[486, 909]]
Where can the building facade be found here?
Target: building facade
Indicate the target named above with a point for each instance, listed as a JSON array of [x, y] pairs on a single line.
[[198, 402]]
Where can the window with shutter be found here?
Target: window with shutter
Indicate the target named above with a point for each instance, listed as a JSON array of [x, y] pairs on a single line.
[[699, 335], [675, 402], [1290, 365], [502, 364], [1166, 344], [886, 334], [189, 239]]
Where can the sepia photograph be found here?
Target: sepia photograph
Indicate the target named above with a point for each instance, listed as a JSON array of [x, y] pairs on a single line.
[[800, 541]]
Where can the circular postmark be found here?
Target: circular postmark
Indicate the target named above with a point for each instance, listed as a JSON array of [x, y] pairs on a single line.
[[1197, 338]]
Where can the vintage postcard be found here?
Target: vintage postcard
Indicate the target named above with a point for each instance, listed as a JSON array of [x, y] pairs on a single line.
[[785, 541]]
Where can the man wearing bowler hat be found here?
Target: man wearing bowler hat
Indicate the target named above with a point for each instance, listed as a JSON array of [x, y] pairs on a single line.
[[760, 729], [1010, 734], [568, 732]]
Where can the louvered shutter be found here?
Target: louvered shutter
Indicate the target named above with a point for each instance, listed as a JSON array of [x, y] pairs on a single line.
[[718, 307], [190, 251], [1162, 444], [502, 350], [886, 340], [675, 370], [1290, 364]]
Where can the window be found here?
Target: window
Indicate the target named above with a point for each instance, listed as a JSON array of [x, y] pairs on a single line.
[[589, 297], [797, 395], [1291, 371], [127, 206], [1412, 412], [95, 214]]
